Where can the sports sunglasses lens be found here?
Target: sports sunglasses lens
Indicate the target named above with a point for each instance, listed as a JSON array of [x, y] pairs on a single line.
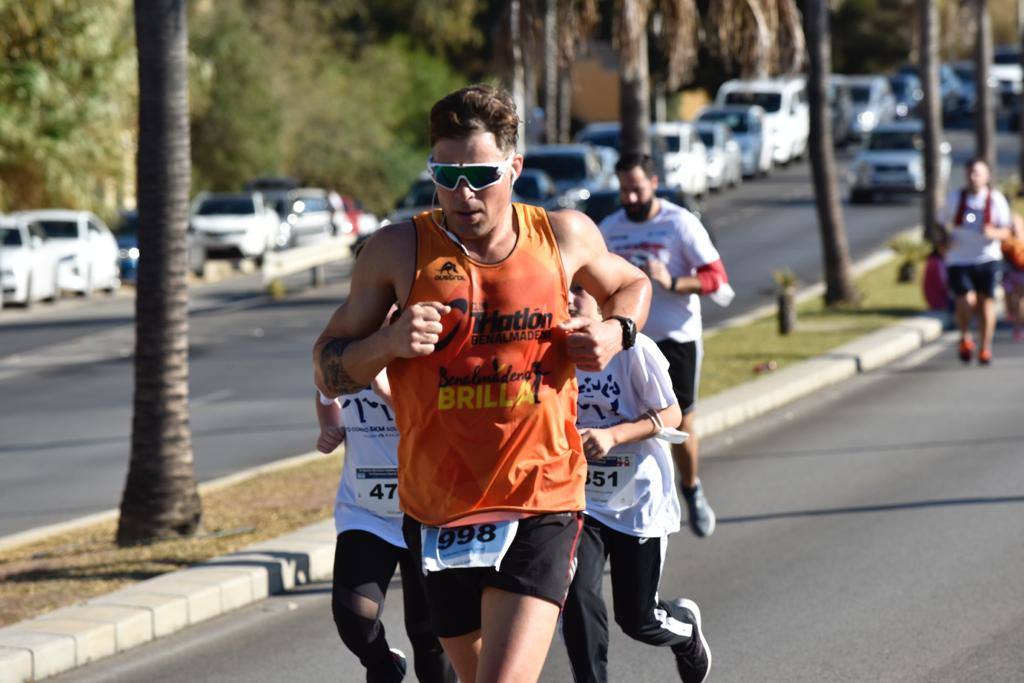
[[478, 176]]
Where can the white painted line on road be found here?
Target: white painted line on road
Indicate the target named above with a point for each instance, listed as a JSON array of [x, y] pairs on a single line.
[[212, 397]]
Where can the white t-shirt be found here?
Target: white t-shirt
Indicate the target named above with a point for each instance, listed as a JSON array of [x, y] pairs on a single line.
[[678, 239], [969, 245], [367, 497], [632, 489]]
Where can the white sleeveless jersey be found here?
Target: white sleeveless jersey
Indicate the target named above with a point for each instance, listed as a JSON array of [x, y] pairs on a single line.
[[632, 489], [367, 497]]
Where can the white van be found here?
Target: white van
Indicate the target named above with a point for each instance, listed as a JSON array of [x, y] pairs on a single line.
[[685, 158], [784, 101]]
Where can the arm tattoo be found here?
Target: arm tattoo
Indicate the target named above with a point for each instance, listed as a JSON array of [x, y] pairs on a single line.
[[336, 379]]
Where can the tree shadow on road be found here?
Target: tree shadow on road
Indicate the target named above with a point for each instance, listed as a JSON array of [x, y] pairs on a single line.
[[882, 507]]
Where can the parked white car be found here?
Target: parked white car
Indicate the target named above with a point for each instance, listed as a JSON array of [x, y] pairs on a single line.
[[234, 224], [29, 265], [86, 248], [784, 101], [725, 161], [1007, 71], [747, 125], [685, 158], [892, 162]]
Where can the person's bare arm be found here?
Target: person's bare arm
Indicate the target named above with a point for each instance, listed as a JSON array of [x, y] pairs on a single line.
[[619, 287], [597, 442], [353, 347]]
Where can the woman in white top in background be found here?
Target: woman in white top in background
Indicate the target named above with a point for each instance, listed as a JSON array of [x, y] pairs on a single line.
[[632, 507], [370, 543]]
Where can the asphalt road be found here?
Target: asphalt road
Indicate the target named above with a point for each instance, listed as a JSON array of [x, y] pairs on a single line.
[[66, 380], [873, 532]]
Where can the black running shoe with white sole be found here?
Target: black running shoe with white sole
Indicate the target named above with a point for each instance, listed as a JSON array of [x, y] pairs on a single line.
[[693, 660]]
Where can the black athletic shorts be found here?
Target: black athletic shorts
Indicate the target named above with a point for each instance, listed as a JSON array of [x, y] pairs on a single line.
[[977, 277], [539, 563], [684, 360]]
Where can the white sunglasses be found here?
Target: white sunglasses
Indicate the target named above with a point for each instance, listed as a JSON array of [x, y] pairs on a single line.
[[477, 176]]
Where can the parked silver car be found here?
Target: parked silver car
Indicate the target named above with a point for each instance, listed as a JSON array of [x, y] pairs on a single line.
[[873, 103], [575, 169], [724, 159], [747, 125], [892, 162]]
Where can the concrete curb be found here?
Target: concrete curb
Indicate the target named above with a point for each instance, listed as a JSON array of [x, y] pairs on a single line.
[[74, 636], [71, 637]]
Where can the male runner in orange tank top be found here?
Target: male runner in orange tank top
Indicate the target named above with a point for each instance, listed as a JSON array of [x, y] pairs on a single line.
[[482, 363]]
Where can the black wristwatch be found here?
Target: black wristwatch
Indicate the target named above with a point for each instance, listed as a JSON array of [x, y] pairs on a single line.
[[628, 330]]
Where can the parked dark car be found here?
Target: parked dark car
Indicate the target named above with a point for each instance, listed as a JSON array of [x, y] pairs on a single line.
[[534, 186], [950, 88], [909, 94], [128, 245]]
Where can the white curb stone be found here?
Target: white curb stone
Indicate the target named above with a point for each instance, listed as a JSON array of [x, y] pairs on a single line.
[[51, 654], [133, 626], [167, 613], [92, 640], [15, 665]]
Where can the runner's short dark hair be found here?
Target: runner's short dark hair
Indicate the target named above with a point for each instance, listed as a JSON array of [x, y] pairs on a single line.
[[476, 109], [977, 160], [627, 162]]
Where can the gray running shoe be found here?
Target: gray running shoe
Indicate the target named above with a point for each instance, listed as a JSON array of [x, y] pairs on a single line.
[[693, 660], [699, 513]]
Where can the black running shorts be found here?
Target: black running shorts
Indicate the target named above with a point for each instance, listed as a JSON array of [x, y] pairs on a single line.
[[539, 563], [684, 369]]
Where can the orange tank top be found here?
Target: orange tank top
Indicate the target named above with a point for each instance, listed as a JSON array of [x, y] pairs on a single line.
[[488, 420]]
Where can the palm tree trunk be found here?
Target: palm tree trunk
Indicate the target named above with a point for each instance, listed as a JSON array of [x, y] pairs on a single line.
[[634, 77], [1020, 98], [160, 494], [564, 103], [985, 115], [518, 71], [839, 287], [928, 14], [551, 71]]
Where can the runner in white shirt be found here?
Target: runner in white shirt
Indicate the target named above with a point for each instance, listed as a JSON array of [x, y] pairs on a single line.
[[632, 507], [979, 218], [370, 543], [672, 246]]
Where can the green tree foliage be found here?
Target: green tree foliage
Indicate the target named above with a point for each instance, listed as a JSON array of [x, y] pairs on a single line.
[[236, 119], [67, 102], [870, 36], [363, 127]]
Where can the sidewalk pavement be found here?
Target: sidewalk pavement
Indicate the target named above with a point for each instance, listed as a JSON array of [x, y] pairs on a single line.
[[74, 636]]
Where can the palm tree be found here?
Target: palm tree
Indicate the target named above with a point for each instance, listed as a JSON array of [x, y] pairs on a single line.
[[160, 494], [576, 21], [518, 67], [839, 287], [759, 37], [985, 115], [680, 23], [928, 45]]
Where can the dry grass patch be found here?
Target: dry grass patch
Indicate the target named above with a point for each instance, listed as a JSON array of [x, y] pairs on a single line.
[[67, 569]]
